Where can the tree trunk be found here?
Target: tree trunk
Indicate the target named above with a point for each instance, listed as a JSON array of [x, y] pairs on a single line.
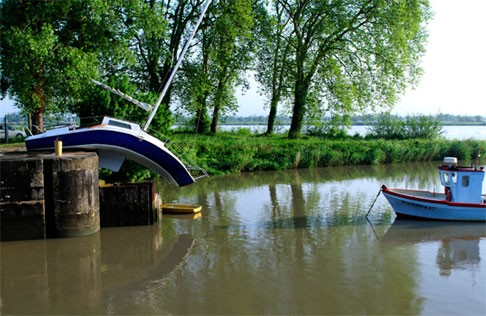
[[158, 86], [38, 115], [298, 112], [37, 122], [217, 106], [214, 122], [272, 115], [201, 119]]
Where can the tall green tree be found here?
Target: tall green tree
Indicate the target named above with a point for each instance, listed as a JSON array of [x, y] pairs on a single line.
[[219, 65], [154, 32], [273, 62], [157, 30], [195, 87], [138, 33], [349, 55], [231, 53], [49, 50]]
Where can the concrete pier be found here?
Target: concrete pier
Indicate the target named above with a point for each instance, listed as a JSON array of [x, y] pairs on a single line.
[[71, 195], [130, 204], [45, 196], [22, 207]]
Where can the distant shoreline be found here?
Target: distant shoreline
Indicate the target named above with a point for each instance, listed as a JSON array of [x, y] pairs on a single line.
[[359, 124]]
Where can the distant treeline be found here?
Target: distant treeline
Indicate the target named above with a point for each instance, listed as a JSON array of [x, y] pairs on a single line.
[[445, 119], [18, 119]]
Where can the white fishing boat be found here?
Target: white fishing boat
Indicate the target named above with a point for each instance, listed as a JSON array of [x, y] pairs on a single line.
[[116, 140], [462, 199]]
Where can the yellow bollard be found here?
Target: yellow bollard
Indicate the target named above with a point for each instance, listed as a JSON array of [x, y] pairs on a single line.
[[58, 147]]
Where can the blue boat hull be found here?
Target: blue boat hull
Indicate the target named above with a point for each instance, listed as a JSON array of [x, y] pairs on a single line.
[[415, 205], [114, 146]]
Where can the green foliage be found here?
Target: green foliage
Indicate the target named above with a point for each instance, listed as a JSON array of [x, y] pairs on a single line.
[[390, 127], [273, 59], [333, 127], [225, 55], [129, 172], [230, 153], [368, 119], [423, 127], [349, 56], [336, 58], [49, 52]]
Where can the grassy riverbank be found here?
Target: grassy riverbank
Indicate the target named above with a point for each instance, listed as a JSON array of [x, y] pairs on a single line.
[[231, 153]]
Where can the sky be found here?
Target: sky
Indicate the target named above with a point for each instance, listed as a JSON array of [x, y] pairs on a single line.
[[454, 67]]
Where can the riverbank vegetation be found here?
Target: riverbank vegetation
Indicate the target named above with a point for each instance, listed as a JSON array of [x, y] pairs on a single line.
[[390, 140], [232, 153], [321, 62]]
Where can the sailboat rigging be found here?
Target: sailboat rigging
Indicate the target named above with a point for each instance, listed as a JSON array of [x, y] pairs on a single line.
[[116, 140]]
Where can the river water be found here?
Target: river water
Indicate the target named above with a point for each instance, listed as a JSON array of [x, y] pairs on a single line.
[[458, 132], [291, 242]]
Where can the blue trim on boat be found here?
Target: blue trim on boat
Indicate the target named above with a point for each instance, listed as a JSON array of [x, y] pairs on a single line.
[[411, 206], [131, 145]]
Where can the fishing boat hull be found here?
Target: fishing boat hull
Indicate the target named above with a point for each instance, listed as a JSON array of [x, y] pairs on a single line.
[[433, 206], [180, 208], [114, 144]]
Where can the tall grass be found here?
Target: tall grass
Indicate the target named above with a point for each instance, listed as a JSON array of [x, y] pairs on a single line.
[[236, 153]]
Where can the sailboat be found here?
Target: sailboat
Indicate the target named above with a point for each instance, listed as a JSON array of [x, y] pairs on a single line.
[[116, 140]]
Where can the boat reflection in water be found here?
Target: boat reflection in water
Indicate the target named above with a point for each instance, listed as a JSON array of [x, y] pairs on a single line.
[[95, 274], [459, 247]]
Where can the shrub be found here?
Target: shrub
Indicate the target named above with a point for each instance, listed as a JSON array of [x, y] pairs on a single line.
[[414, 127]]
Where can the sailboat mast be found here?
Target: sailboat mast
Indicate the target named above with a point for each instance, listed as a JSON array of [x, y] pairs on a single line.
[[172, 74]]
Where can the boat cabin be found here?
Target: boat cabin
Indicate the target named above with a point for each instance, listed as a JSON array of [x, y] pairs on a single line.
[[120, 123], [462, 184]]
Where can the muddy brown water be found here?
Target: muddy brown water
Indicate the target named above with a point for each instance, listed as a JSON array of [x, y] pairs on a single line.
[[292, 242]]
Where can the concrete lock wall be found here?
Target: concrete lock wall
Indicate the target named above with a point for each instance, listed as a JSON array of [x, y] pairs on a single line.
[[130, 204], [44, 196], [22, 212]]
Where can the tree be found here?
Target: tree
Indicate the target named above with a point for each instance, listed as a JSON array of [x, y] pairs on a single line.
[[49, 52], [98, 102], [157, 30], [218, 66], [138, 34], [231, 53], [273, 64], [195, 87], [351, 55]]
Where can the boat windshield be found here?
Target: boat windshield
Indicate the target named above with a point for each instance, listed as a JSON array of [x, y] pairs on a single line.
[[448, 178], [119, 124]]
